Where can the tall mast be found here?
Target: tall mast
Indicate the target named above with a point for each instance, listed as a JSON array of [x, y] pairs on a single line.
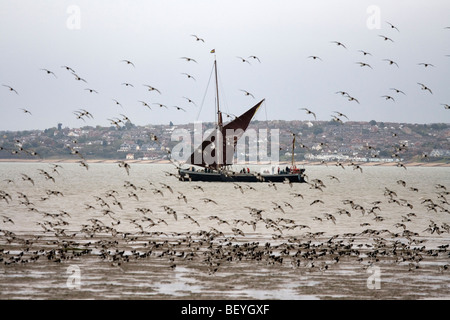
[[293, 147], [219, 115], [219, 148]]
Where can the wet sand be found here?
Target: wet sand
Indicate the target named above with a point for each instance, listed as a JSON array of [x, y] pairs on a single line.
[[213, 267]]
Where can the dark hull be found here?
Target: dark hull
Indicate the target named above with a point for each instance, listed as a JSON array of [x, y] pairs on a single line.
[[188, 175]]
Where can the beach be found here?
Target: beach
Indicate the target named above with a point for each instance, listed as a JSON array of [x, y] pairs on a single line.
[[111, 235]]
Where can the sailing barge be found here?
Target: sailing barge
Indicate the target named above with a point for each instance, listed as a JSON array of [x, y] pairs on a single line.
[[221, 148]]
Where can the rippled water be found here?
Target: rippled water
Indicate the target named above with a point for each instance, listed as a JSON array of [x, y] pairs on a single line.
[[39, 226]]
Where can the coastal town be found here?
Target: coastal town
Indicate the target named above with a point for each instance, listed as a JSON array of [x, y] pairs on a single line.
[[315, 141]]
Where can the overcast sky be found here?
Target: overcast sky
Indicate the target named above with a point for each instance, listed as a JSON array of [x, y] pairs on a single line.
[[93, 37]]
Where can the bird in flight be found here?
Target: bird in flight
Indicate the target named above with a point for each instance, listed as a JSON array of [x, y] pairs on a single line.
[[256, 58], [144, 104], [190, 101], [179, 108], [392, 26], [365, 53], [127, 84], [385, 38], [161, 105], [10, 88], [446, 106], [197, 38], [188, 59], [243, 60], [309, 112], [25, 111], [425, 64], [391, 62], [339, 44], [363, 64], [68, 68], [315, 58], [78, 78], [247, 93], [388, 97], [117, 102], [424, 87], [189, 76], [398, 91], [343, 93], [350, 98], [150, 88], [49, 72], [340, 114], [91, 90], [128, 62]]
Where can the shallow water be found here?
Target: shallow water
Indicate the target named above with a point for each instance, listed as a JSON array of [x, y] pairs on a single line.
[[362, 256]]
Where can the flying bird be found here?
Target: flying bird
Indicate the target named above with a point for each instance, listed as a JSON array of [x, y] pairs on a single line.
[[150, 88], [350, 98], [398, 91], [386, 38], [197, 38], [189, 59], [10, 88], [343, 93], [25, 111], [363, 64], [391, 62], [78, 78], [425, 64], [388, 97], [145, 104], [315, 58], [424, 87], [179, 108], [247, 93], [49, 72], [309, 112], [68, 68], [339, 44], [365, 52], [126, 166], [117, 102], [392, 26], [188, 75], [128, 62], [340, 114], [190, 101], [243, 60], [256, 58], [127, 84]]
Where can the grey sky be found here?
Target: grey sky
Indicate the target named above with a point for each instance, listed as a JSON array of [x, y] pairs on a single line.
[[154, 35]]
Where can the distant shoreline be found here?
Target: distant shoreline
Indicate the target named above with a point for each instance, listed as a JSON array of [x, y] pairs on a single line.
[[299, 163]]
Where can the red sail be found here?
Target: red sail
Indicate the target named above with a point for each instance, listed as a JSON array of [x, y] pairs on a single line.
[[207, 153]]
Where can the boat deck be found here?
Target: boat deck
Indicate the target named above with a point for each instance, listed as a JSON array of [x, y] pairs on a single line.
[[214, 176]]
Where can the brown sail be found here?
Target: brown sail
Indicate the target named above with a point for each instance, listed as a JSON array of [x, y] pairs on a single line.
[[208, 155]]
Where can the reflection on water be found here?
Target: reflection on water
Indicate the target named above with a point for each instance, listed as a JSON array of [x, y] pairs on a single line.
[[148, 235]]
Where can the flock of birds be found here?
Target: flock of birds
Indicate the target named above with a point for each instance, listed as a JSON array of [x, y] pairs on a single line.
[[276, 232], [213, 240], [390, 62], [83, 114]]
